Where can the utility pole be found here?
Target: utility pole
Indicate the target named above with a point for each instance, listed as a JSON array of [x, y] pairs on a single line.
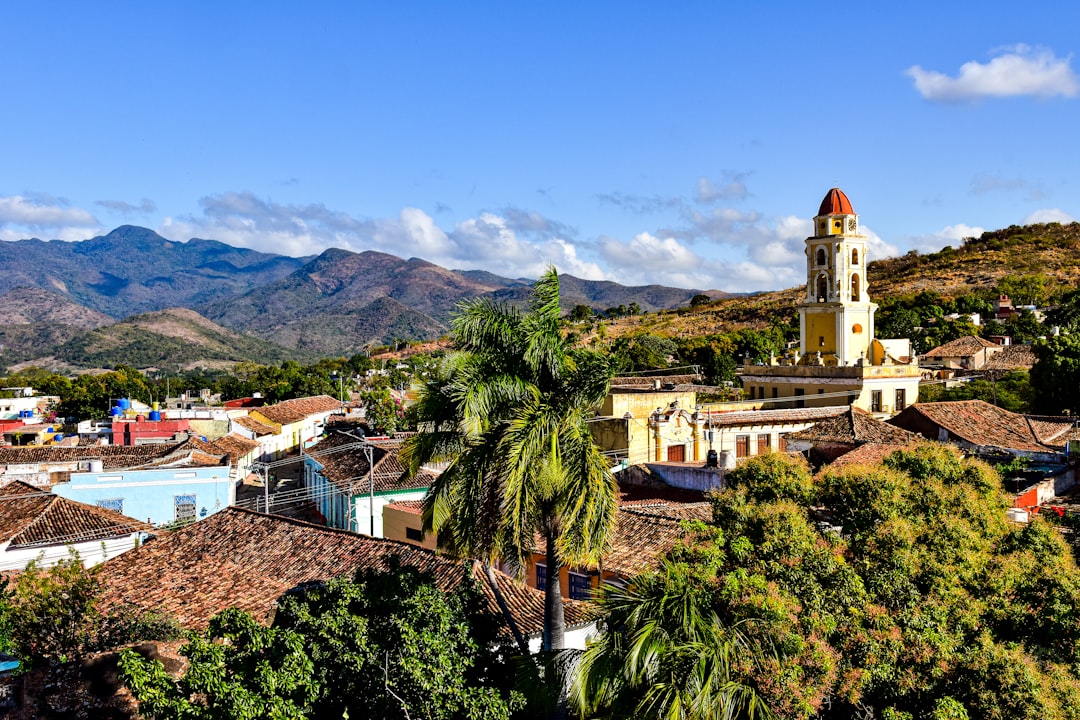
[[371, 486]]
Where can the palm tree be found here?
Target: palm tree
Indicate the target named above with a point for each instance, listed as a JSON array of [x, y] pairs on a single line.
[[665, 654], [508, 411]]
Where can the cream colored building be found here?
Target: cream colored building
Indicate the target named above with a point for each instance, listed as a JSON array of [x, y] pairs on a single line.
[[668, 426], [649, 425], [839, 361]]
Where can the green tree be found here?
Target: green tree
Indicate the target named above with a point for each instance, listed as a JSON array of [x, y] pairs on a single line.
[[392, 644], [898, 323], [237, 670], [91, 396], [897, 590], [699, 300], [1055, 378], [665, 653], [1024, 327], [1012, 391], [52, 615], [508, 412], [581, 313], [383, 645], [382, 413], [1067, 313], [1024, 289], [642, 352]]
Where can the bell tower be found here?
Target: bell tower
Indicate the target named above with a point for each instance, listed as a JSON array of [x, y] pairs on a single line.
[[836, 318]]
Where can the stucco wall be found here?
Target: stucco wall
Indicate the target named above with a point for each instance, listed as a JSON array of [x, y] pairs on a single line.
[[150, 494], [91, 553]]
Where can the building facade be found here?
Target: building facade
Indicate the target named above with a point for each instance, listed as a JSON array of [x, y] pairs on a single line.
[[160, 496]]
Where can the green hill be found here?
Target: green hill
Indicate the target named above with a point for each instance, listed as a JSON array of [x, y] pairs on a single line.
[[1050, 252], [169, 338]]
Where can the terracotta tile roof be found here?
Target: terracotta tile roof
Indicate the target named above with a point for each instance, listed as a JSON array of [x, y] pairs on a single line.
[[702, 510], [348, 468], [870, 454], [113, 457], [187, 455], [250, 423], [1012, 357], [30, 517], [643, 534], [961, 347], [1053, 430], [243, 559], [740, 418], [638, 494], [981, 423], [853, 427], [414, 507], [290, 411], [233, 445]]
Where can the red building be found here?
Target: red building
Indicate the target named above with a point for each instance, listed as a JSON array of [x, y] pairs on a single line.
[[141, 431]]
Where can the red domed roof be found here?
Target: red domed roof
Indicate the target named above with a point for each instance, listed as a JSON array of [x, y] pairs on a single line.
[[835, 203]]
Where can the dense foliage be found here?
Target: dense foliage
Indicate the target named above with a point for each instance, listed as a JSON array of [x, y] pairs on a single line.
[[53, 615], [1012, 391], [382, 645], [892, 591], [92, 394], [1055, 378]]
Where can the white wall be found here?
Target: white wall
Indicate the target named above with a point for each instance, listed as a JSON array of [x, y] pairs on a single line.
[[91, 553], [575, 638]]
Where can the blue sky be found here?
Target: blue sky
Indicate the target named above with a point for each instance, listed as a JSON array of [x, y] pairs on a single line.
[[687, 144]]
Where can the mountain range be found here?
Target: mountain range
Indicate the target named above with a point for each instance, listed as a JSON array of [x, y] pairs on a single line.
[[100, 302]]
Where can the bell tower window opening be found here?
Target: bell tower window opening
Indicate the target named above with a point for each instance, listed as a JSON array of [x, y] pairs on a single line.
[[855, 288], [821, 258], [822, 287], [854, 256]]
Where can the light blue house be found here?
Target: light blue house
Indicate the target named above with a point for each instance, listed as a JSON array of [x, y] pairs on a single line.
[[156, 495]]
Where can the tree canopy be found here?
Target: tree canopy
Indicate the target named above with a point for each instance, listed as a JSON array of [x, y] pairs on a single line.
[[381, 645], [896, 591]]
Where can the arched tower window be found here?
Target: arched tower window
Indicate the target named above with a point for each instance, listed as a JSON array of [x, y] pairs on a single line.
[[854, 256], [822, 287], [821, 257], [855, 287]]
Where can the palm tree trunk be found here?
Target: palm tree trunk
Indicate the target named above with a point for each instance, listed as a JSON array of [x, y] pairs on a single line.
[[523, 646], [554, 620], [554, 625]]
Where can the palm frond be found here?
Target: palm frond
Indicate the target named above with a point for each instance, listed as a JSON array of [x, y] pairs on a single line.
[[665, 654]]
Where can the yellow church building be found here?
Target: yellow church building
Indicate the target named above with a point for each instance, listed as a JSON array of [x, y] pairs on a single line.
[[839, 361]]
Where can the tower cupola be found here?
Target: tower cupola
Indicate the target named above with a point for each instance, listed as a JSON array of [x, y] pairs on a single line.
[[835, 215]]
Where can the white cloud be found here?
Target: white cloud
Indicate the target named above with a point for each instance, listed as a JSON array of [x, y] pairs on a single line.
[[122, 207], [1049, 215], [734, 189], [649, 258], [513, 242], [953, 235], [1020, 70], [33, 215], [878, 248]]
